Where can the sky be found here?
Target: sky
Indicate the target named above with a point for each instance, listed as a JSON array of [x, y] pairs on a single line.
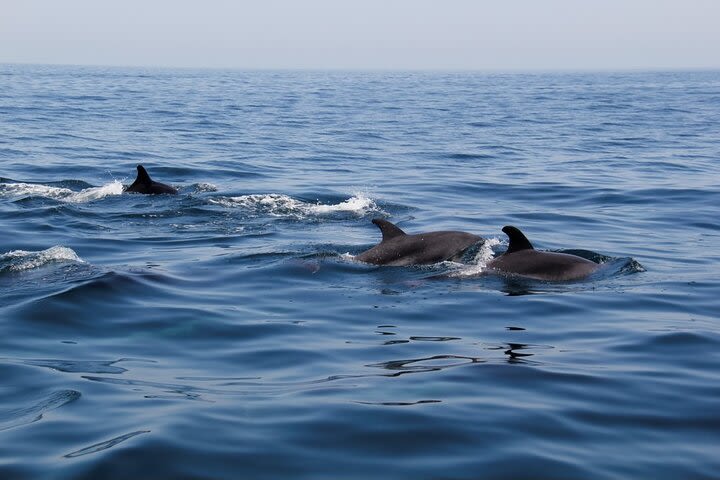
[[492, 35]]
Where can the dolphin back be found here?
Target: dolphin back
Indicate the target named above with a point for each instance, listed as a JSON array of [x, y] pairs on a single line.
[[522, 259], [146, 185], [388, 230], [398, 248]]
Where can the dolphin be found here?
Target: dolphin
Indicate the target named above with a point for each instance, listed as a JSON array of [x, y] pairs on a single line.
[[397, 248], [144, 184], [522, 259]]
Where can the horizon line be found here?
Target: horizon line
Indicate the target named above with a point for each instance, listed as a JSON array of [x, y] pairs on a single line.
[[654, 69]]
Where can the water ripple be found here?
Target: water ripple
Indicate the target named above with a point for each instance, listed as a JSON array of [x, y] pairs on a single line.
[[98, 447], [33, 413]]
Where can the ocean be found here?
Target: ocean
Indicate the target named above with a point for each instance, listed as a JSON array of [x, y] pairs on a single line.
[[227, 332]]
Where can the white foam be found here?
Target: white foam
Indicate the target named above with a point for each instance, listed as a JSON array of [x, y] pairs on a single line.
[[273, 202], [19, 260], [283, 205], [31, 189], [359, 204], [206, 187], [484, 255], [96, 193], [61, 194]]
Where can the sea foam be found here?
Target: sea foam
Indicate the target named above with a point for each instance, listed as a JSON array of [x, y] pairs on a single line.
[[19, 260], [58, 193], [283, 205], [484, 255]]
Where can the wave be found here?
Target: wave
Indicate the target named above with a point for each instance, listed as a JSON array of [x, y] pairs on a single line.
[[23, 190], [279, 205], [19, 260]]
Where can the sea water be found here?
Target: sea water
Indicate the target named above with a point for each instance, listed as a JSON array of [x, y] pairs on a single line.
[[227, 332]]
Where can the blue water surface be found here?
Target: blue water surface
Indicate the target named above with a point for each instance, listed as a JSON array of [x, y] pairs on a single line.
[[227, 332]]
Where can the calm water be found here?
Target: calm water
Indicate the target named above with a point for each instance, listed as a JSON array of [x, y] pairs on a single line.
[[227, 332]]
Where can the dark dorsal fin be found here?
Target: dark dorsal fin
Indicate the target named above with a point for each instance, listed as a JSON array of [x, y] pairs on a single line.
[[143, 176], [388, 229], [518, 241]]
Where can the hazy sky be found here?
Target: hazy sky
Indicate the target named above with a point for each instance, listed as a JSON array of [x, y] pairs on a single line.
[[367, 34]]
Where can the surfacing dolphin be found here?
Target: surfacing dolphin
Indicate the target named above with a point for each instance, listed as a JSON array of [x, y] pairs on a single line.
[[144, 184], [522, 259], [397, 248]]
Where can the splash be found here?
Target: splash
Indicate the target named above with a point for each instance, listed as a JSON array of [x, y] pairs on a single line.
[[96, 193], [205, 187], [32, 190], [58, 193], [358, 204], [19, 260], [347, 257], [484, 254], [272, 202], [283, 205]]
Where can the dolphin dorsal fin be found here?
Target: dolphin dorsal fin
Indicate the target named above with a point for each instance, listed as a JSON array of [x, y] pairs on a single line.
[[388, 229], [142, 176], [518, 240]]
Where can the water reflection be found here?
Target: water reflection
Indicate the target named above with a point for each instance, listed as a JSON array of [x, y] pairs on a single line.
[[30, 414], [413, 338], [398, 404], [514, 350], [518, 352], [515, 286], [71, 366], [98, 447], [427, 364]]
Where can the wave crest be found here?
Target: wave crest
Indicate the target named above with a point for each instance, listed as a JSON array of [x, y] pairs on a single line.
[[19, 260], [279, 205], [59, 193]]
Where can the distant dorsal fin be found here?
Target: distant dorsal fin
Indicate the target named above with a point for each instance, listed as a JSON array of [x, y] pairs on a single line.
[[388, 229], [142, 176], [518, 240]]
